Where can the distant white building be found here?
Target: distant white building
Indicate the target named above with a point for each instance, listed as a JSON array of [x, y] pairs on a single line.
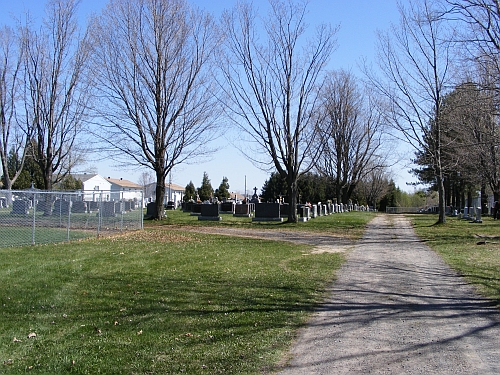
[[173, 193], [124, 190], [95, 187]]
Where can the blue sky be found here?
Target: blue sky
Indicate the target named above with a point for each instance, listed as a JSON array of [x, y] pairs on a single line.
[[358, 20]]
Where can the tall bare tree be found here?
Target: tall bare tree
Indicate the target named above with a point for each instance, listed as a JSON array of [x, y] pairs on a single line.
[[57, 95], [415, 60], [350, 134], [15, 135], [152, 66], [272, 86]]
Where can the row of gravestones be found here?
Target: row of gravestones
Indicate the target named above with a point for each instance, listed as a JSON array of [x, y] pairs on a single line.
[[263, 211], [212, 211], [21, 207]]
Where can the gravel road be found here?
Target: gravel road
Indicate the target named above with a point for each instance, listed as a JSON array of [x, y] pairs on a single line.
[[396, 308]]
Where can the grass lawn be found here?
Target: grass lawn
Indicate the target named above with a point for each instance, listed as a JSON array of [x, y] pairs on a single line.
[[457, 242], [350, 224], [161, 302]]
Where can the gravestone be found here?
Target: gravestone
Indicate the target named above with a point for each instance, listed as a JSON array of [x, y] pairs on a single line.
[[314, 211], [93, 206], [79, 207], [284, 210], [242, 210], [108, 209], [119, 207], [151, 209], [267, 212], [127, 206], [62, 206], [170, 205], [20, 207], [196, 209], [227, 208], [44, 206], [209, 212], [255, 198], [304, 213]]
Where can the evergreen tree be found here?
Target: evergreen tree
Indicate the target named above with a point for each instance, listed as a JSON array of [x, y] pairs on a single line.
[[31, 172], [205, 191], [223, 191], [273, 188], [69, 183], [189, 192]]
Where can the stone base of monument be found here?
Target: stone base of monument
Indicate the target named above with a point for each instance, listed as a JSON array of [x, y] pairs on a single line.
[[210, 218]]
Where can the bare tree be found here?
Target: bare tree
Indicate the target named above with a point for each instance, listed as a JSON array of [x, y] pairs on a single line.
[[272, 87], [373, 186], [56, 96], [14, 136], [350, 134], [152, 66], [415, 60]]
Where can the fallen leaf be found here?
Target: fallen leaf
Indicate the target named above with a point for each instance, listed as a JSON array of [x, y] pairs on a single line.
[[140, 332], [16, 340], [31, 335]]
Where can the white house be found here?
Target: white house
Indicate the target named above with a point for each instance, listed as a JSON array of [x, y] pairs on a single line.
[[173, 193], [95, 187], [124, 189]]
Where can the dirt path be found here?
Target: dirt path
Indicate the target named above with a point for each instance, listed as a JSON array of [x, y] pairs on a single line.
[[396, 308]]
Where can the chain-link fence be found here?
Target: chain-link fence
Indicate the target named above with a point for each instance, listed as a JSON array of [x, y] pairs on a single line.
[[34, 217]]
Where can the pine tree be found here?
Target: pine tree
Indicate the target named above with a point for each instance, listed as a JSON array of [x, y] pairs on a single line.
[[223, 191], [189, 192], [205, 191]]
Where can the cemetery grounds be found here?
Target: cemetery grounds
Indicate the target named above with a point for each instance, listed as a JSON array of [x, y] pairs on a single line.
[[184, 296]]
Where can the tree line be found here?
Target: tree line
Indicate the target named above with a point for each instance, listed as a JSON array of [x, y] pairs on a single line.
[[153, 82]]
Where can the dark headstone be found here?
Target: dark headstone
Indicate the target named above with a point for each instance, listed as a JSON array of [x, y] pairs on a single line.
[[267, 212], [119, 207], [44, 206], [284, 210], [20, 207], [108, 209], [227, 208], [127, 206], [62, 206], [209, 212], [170, 205], [196, 208], [242, 210], [79, 207], [151, 209], [93, 205]]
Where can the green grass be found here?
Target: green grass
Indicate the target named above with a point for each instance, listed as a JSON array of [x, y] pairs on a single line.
[[457, 242], [160, 301], [350, 224], [16, 236]]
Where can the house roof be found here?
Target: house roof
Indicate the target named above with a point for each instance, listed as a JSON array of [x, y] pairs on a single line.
[[124, 183], [174, 187], [84, 176]]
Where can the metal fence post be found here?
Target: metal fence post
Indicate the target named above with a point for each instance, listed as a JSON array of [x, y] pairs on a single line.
[[99, 213], [121, 212], [142, 209], [69, 217], [34, 220]]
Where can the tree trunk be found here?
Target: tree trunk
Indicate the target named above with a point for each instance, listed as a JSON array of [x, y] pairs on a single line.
[[292, 200], [441, 197], [160, 195]]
